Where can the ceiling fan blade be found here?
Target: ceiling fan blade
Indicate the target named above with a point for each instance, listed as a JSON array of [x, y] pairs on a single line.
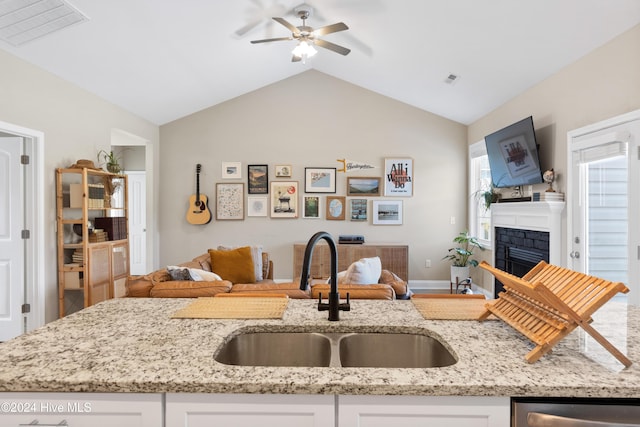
[[328, 29], [332, 46], [277, 39], [250, 26], [286, 23]]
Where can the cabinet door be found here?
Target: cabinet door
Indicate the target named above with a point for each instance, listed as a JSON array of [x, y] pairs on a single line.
[[242, 410], [81, 409], [120, 260], [320, 261], [99, 283], [420, 411]]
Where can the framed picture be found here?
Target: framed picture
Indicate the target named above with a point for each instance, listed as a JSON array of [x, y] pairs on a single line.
[[335, 208], [231, 170], [320, 180], [283, 171], [311, 207], [398, 177], [284, 199], [363, 186], [387, 212], [257, 205], [358, 209], [258, 179], [229, 201]]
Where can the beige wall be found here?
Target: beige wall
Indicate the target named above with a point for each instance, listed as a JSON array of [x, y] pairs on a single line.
[[310, 120], [75, 123], [603, 84]]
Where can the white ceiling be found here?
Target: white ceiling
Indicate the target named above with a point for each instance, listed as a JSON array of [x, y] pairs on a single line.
[[165, 59]]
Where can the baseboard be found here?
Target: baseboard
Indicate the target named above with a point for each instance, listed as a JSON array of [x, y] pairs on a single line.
[[441, 286], [428, 285]]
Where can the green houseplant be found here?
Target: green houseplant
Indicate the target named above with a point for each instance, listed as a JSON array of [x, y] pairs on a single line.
[[460, 256], [487, 197], [111, 160]]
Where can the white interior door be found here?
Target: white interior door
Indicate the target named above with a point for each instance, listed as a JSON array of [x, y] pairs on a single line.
[[12, 285], [137, 222], [604, 239]]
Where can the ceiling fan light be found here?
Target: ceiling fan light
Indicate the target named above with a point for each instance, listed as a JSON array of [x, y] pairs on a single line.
[[304, 50]]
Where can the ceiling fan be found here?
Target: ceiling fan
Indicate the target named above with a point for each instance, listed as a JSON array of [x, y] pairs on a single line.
[[307, 36]]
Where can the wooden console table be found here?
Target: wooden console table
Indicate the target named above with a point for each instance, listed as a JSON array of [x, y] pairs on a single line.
[[394, 258]]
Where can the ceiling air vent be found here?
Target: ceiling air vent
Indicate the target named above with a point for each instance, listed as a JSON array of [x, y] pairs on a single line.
[[22, 21], [452, 79]]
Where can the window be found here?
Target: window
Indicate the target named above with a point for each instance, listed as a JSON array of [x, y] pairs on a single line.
[[479, 182]]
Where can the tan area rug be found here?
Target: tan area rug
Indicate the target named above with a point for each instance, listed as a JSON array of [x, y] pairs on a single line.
[[451, 308], [240, 307]]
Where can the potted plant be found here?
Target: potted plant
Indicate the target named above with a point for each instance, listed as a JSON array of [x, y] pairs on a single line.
[[460, 256], [111, 160], [487, 197]]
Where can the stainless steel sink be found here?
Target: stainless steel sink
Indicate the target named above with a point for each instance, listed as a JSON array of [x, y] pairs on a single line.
[[276, 349], [377, 350], [381, 350]]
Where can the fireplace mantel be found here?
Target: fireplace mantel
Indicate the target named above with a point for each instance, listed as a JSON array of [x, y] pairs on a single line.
[[540, 216]]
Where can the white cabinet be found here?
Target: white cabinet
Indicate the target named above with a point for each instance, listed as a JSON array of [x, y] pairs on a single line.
[[81, 409], [420, 411], [246, 410], [249, 410]]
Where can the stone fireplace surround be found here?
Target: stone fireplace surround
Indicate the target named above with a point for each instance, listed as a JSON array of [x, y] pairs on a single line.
[[528, 226]]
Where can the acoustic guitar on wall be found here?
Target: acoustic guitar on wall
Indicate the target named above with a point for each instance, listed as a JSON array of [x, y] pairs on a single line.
[[198, 212]]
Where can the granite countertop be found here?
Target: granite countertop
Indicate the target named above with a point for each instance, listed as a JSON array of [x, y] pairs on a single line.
[[133, 345]]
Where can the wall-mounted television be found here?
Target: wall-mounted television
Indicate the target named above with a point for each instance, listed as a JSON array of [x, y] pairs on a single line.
[[513, 155]]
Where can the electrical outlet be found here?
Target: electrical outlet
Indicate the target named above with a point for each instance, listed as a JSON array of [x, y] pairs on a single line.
[[453, 220], [427, 263]]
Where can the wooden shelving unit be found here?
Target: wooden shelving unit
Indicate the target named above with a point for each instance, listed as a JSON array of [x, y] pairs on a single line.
[[93, 264], [394, 258]]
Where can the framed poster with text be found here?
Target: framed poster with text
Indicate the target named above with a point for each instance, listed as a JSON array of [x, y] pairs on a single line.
[[398, 177]]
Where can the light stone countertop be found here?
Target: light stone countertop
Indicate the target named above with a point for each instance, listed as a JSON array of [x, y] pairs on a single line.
[[133, 345]]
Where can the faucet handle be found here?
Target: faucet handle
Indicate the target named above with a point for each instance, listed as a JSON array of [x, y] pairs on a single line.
[[345, 306], [322, 306]]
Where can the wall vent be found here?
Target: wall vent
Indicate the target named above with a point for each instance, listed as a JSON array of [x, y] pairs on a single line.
[[22, 21], [452, 79]]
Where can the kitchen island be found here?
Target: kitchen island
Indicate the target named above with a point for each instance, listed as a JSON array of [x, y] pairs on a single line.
[[133, 345]]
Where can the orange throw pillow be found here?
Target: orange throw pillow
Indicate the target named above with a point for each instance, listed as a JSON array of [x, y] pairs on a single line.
[[234, 265]]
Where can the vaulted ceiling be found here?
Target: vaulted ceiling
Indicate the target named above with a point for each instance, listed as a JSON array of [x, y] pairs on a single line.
[[165, 59]]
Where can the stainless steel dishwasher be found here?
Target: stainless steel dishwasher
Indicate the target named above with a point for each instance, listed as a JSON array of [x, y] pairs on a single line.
[[574, 412]]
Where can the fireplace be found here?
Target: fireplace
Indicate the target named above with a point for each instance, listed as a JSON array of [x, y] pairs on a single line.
[[525, 233], [516, 251]]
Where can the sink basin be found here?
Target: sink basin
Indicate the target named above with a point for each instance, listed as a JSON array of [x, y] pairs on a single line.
[[277, 349], [374, 350], [380, 350]]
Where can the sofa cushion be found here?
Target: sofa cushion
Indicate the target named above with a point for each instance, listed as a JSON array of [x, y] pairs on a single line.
[[256, 255], [362, 272], [189, 289], [138, 286], [234, 265], [399, 286], [203, 261]]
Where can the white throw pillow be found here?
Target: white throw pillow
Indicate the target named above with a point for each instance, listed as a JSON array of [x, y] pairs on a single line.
[[203, 275], [365, 271]]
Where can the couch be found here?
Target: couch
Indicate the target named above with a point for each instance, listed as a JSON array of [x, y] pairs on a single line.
[[161, 283]]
